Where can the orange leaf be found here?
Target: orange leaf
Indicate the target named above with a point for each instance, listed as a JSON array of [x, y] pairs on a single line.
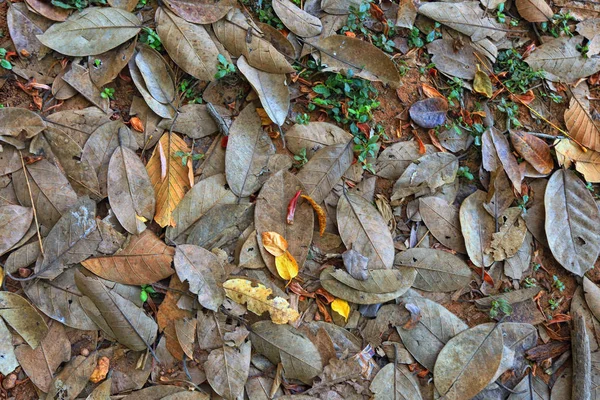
[[321, 216], [582, 127], [525, 98], [350, 34], [534, 150], [168, 190], [137, 124], [264, 118], [486, 277], [430, 91], [101, 370], [274, 243], [286, 265]]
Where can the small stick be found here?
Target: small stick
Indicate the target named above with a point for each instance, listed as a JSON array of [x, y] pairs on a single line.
[[37, 225]]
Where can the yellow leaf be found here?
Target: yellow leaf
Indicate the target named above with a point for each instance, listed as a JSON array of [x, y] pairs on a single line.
[[257, 300], [264, 117], [286, 265], [274, 243], [321, 216], [586, 162], [1, 276], [341, 307], [482, 83], [168, 190]]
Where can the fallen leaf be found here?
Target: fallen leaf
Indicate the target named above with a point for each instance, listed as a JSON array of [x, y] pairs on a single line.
[[274, 243], [20, 122], [48, 10], [169, 313], [8, 360], [589, 29], [324, 170], [15, 221], [437, 270], [286, 265], [497, 153], [406, 15], [170, 190], [321, 216], [227, 370], [248, 151], [561, 61], [314, 136], [482, 84], [69, 382], [516, 266], [200, 12], [364, 59], [477, 227], [393, 161], [222, 225], [193, 120], [582, 127], [74, 238], [426, 173], [531, 387], [24, 26], [442, 220], [534, 10], [296, 19], [130, 192], [341, 307], [78, 77], [145, 259], [160, 109], [186, 335], [508, 240], [271, 215], [111, 64], [455, 62], [572, 222], [204, 273], [189, 45], [257, 300], [102, 391], [586, 162], [116, 315], [395, 382], [534, 150], [363, 229], [283, 343], [378, 280], [23, 318]]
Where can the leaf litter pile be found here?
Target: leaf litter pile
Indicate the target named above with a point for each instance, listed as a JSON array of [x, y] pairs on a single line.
[[279, 199]]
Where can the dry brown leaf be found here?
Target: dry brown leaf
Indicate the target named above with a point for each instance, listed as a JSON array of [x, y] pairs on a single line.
[[497, 153], [145, 259], [170, 190], [296, 19], [477, 227], [508, 240], [257, 300], [582, 127], [534, 150], [23, 318], [200, 11], [169, 313], [586, 162], [534, 10]]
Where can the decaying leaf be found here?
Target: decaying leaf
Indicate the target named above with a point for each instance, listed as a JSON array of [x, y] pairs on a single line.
[[204, 273], [572, 222], [283, 343], [23, 318], [508, 240], [428, 172], [257, 300], [145, 259], [227, 370], [20, 122], [169, 186]]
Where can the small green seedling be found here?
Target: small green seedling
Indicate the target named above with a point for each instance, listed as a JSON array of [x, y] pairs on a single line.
[[558, 283], [141, 4], [465, 172], [553, 304], [529, 282], [108, 93], [414, 38], [146, 290], [365, 149], [383, 43], [224, 67], [500, 305], [4, 63], [97, 63], [151, 38], [185, 156], [522, 203], [302, 119], [300, 158], [512, 111], [357, 18]]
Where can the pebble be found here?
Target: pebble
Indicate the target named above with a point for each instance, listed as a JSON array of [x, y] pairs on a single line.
[[10, 381]]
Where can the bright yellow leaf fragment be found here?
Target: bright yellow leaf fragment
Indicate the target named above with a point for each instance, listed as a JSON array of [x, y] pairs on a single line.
[[482, 83], [341, 307], [257, 300], [286, 265], [274, 243]]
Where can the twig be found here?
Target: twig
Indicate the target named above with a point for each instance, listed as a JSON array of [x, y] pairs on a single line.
[[221, 124], [282, 135], [37, 225]]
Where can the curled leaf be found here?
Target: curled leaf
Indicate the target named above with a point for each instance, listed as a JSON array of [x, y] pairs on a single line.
[[274, 243], [321, 216], [482, 84], [257, 300]]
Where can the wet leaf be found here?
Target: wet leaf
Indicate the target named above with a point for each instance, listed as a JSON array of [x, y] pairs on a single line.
[[296, 19], [145, 259], [324, 170], [271, 215], [248, 152], [20, 122], [465, 17], [130, 191], [477, 227], [59, 300], [193, 121], [468, 362], [92, 31], [189, 45], [403, 280], [572, 222], [426, 173], [534, 10], [69, 382], [124, 320], [111, 63], [200, 12], [8, 360], [257, 300], [272, 90], [586, 162], [258, 52], [394, 160], [314, 136], [23, 318], [582, 127], [363, 229], [342, 53], [395, 383], [14, 223], [561, 62], [437, 270], [204, 273], [41, 363], [227, 370], [283, 343], [168, 190]]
